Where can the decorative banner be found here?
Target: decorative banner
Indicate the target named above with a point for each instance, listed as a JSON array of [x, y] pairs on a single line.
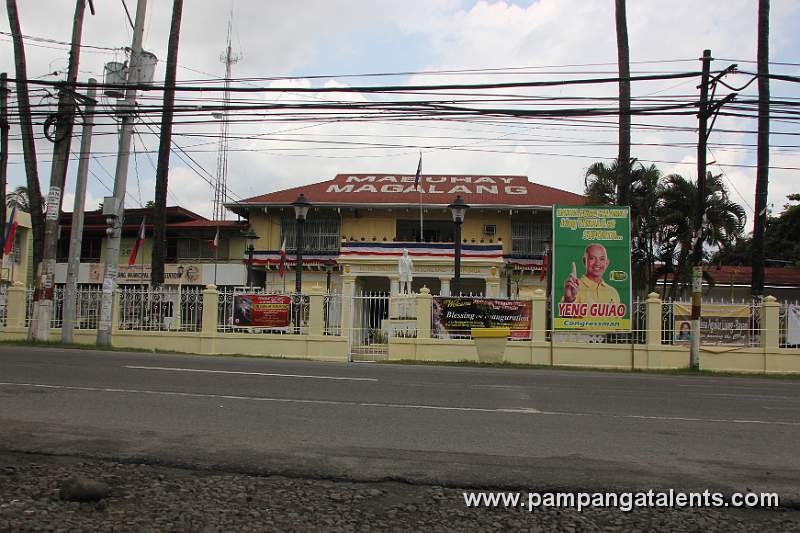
[[261, 310], [719, 324], [793, 324], [456, 316], [174, 274], [591, 268]]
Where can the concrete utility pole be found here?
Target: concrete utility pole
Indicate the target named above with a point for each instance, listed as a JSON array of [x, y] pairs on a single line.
[[113, 206], [4, 127], [39, 329], [762, 154], [162, 171], [69, 314], [697, 253]]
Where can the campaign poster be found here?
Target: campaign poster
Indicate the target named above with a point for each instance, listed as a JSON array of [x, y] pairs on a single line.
[[722, 325], [591, 268], [261, 310], [455, 317]]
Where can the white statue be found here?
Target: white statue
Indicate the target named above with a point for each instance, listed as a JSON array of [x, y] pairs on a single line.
[[406, 271]]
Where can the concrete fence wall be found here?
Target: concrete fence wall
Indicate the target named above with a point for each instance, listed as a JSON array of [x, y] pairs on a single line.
[[768, 357]]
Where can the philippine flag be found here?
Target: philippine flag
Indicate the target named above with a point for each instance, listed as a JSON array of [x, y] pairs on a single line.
[[11, 228], [419, 169], [136, 245], [215, 242], [282, 264]]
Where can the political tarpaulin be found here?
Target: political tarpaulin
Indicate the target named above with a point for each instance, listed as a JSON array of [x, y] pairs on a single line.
[[591, 268], [261, 310], [454, 317], [727, 325]]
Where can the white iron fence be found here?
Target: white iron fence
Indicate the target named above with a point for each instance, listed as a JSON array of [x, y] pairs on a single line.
[[789, 328], [160, 309]]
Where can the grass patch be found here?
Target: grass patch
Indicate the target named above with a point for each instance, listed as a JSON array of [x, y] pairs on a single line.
[[78, 346]]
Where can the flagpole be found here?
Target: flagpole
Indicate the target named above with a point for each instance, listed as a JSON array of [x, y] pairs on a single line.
[[216, 253], [419, 193]]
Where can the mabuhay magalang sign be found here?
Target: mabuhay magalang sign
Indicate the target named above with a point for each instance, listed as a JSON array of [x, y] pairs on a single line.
[[591, 268]]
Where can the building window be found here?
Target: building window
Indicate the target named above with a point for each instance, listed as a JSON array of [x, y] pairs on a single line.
[[434, 231], [196, 248], [321, 234], [528, 238]]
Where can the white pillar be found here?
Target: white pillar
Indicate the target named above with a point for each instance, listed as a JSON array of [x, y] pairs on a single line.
[[445, 289]]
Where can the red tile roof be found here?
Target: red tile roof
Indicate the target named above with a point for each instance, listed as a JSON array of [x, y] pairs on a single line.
[[740, 275], [399, 189]]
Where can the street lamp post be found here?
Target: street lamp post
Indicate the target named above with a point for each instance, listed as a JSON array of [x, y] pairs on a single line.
[[301, 206], [329, 264], [250, 237], [459, 209]]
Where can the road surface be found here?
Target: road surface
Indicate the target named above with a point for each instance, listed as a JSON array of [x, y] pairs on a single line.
[[457, 426]]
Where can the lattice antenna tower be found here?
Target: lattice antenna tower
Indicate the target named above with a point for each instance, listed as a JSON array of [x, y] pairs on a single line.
[[229, 58]]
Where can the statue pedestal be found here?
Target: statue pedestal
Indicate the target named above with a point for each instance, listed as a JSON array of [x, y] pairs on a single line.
[[490, 343]]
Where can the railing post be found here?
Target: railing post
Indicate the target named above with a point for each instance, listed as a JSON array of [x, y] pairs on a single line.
[[653, 319], [210, 310], [348, 293], [424, 300], [493, 284], [116, 311], [539, 316], [316, 311], [770, 323], [16, 305]]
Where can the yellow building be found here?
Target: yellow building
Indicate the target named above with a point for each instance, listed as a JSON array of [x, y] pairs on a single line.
[[359, 225]]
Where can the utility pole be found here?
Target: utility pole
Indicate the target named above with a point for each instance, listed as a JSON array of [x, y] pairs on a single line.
[[39, 329], [4, 127], [113, 206], [69, 313], [699, 214], [26, 128], [162, 170], [762, 155]]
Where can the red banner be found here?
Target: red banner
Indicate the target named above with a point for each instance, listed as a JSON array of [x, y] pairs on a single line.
[[261, 310]]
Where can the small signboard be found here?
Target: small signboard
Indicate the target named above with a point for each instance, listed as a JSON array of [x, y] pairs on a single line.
[[261, 310], [453, 317]]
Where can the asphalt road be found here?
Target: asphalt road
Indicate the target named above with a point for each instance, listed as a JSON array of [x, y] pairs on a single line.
[[482, 427]]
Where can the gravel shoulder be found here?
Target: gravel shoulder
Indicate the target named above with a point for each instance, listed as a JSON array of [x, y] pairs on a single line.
[[157, 498]]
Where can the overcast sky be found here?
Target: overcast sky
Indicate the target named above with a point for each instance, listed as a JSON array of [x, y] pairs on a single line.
[[570, 38]]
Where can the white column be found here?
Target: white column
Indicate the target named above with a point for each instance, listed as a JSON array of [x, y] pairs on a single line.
[[445, 289]]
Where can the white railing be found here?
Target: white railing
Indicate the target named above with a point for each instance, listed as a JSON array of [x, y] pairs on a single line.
[[333, 314], [160, 309]]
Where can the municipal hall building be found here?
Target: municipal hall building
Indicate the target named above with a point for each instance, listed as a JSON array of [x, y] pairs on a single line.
[[359, 225]]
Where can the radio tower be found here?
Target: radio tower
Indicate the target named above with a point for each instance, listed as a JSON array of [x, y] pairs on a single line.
[[221, 183]]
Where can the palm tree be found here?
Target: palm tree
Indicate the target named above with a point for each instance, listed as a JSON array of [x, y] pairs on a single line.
[[19, 199], [762, 156], [722, 224], [645, 199], [600, 183], [624, 170]]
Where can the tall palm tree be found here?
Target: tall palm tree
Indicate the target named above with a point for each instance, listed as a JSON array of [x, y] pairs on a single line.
[[762, 156], [624, 169], [600, 183], [722, 224], [19, 199], [645, 199]]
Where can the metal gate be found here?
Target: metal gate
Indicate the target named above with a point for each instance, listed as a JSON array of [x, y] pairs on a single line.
[[368, 338]]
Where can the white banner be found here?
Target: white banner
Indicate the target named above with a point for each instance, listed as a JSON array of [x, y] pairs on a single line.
[[793, 324]]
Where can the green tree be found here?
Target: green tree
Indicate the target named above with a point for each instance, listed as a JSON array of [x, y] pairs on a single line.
[[19, 199], [722, 224]]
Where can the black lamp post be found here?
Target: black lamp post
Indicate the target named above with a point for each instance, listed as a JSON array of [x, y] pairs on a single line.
[[459, 209], [301, 206], [329, 264], [250, 237]]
